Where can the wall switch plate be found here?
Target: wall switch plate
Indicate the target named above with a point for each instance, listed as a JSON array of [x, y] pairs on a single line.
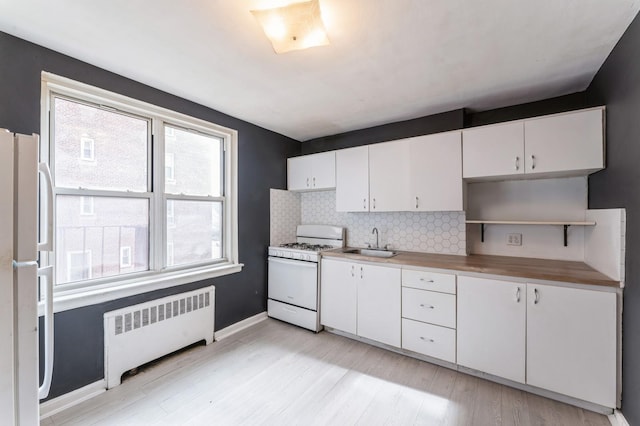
[[514, 239]]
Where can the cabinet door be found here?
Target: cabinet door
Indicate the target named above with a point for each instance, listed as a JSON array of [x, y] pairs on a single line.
[[298, 173], [493, 150], [338, 300], [571, 342], [379, 303], [491, 327], [565, 142], [389, 176], [352, 179], [436, 172], [323, 173]]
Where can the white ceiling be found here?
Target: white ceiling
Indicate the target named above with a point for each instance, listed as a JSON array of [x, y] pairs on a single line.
[[389, 60]]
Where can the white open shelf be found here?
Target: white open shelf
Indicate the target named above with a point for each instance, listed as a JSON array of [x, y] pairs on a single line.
[[565, 224]]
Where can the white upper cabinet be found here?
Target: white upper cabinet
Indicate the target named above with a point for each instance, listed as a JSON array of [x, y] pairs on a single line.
[[416, 174], [389, 177], [565, 142], [352, 179], [491, 326], [312, 172], [435, 167], [493, 150], [571, 342]]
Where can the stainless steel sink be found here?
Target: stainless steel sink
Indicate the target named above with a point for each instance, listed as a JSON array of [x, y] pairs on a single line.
[[372, 252]]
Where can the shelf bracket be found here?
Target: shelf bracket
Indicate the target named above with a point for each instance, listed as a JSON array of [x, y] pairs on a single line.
[[566, 228], [482, 233]]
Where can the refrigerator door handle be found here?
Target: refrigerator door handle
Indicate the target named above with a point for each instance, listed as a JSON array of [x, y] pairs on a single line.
[[47, 274], [47, 244]]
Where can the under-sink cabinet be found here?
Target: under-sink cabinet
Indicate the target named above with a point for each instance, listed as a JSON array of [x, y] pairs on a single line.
[[361, 299], [312, 172], [555, 338]]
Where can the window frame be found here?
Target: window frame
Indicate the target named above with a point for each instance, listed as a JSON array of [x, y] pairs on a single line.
[[160, 275]]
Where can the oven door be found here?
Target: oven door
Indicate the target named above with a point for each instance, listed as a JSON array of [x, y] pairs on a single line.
[[294, 282]]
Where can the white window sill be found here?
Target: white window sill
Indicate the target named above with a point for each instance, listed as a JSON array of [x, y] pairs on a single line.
[[64, 300]]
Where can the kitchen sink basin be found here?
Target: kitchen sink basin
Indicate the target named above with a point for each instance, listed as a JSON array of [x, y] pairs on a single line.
[[372, 252]]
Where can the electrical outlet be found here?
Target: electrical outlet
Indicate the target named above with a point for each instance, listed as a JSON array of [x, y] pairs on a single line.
[[514, 239]]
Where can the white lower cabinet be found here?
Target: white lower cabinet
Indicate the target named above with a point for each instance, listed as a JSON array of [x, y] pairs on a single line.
[[361, 299], [491, 326], [429, 313], [571, 342], [338, 295], [567, 336], [555, 338], [379, 304], [428, 339]]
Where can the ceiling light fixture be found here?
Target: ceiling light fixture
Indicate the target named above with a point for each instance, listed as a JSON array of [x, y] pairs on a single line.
[[293, 27]]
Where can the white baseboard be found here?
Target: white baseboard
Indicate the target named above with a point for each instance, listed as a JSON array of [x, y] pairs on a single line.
[[239, 326], [617, 419], [53, 406]]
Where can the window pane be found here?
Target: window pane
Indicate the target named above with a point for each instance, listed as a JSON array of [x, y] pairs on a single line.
[[91, 246], [193, 163], [196, 234], [99, 149]]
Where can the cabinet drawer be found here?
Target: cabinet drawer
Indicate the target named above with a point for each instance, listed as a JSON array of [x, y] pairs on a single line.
[[429, 306], [431, 340], [425, 280], [292, 314]]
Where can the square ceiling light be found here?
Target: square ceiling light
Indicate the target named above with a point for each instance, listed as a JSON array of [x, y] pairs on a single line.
[[293, 27]]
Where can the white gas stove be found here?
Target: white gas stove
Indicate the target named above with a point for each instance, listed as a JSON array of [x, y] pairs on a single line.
[[293, 274]]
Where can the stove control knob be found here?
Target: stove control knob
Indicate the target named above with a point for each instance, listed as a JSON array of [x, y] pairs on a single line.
[[308, 257], [280, 254]]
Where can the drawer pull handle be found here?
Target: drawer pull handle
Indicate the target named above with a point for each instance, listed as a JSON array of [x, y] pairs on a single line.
[[427, 340], [537, 294], [426, 281], [422, 305], [291, 311]]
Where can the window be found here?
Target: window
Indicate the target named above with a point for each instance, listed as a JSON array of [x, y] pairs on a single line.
[[169, 167], [87, 149], [86, 206], [78, 265], [182, 228], [171, 217], [125, 257]]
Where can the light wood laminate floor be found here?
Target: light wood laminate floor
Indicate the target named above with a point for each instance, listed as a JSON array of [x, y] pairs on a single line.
[[277, 374]]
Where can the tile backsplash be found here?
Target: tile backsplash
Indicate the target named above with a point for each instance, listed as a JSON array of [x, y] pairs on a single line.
[[427, 232], [285, 216]]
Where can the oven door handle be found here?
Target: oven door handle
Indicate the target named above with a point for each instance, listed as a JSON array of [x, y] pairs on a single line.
[[293, 262]]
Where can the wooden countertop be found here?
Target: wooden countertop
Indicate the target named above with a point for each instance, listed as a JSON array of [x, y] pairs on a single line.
[[539, 269]]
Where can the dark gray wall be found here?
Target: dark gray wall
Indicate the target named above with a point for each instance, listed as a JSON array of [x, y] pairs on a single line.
[[617, 85], [452, 120], [387, 132], [261, 165]]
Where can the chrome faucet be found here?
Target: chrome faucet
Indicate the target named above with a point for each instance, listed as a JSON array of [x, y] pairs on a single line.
[[375, 231]]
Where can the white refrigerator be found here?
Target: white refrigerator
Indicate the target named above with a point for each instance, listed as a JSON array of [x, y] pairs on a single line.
[[20, 288]]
